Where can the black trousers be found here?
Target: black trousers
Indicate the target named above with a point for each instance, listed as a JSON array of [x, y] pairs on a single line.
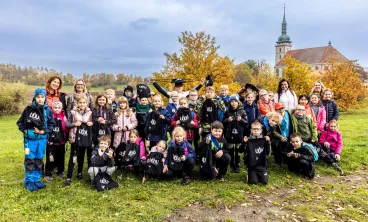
[[196, 142], [223, 163], [141, 132], [256, 176], [277, 151], [234, 154], [58, 152], [187, 169], [298, 165], [324, 154], [79, 152]]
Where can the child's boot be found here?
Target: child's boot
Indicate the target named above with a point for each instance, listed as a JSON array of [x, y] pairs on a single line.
[[338, 168], [185, 181], [68, 182], [39, 185], [31, 186]]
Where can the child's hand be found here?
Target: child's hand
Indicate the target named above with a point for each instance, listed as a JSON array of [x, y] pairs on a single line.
[[103, 121], [313, 141], [337, 157], [319, 131], [150, 110], [147, 143], [110, 153], [296, 155], [245, 139], [78, 123], [327, 144], [192, 122], [267, 138], [290, 154], [58, 118], [208, 140], [178, 122], [219, 154], [89, 123], [36, 130], [165, 169], [203, 81], [283, 139], [163, 160], [162, 117], [231, 118], [238, 118], [100, 119], [182, 158]]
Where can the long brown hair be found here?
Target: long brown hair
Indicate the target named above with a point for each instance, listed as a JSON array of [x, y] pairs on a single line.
[[96, 101], [121, 100], [48, 83]]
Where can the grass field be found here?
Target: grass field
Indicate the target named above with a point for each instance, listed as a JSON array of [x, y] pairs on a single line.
[[154, 200]]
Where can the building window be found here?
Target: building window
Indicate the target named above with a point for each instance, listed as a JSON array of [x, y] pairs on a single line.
[[277, 72], [280, 56], [280, 49], [316, 68]]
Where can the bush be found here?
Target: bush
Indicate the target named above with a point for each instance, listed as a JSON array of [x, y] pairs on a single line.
[[114, 87], [12, 98]]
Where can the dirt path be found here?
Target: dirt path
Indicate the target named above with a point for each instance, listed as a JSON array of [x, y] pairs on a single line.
[[270, 206]]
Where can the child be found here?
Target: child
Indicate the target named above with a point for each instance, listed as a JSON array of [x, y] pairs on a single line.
[[102, 159], [304, 125], [251, 109], [332, 110], [265, 104], [186, 119], [235, 120], [207, 110], [126, 121], [219, 145], [128, 93], [157, 122], [156, 160], [224, 91], [36, 123], [110, 94], [142, 107], [103, 118], [80, 126], [269, 122], [256, 149], [249, 88], [319, 111], [161, 148], [271, 95], [331, 139], [300, 158], [136, 144], [180, 159], [304, 101], [192, 102], [55, 150], [173, 106]]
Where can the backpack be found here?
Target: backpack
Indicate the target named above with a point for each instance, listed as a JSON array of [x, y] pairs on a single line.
[[234, 132], [143, 91], [84, 135], [154, 165], [154, 123], [119, 151], [209, 112], [312, 150], [132, 154], [57, 135], [100, 130], [34, 117], [173, 156], [256, 155], [185, 115], [103, 181], [207, 165]]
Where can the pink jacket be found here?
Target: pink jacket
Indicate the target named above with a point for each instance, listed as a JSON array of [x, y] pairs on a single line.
[[142, 148], [321, 118], [123, 122], [334, 138], [63, 119]]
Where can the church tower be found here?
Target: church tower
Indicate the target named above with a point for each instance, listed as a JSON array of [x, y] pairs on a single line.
[[283, 44]]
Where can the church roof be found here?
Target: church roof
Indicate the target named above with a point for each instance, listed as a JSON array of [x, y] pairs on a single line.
[[314, 55]]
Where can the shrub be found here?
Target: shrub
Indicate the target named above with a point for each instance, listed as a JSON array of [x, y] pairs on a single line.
[[114, 87], [12, 98]]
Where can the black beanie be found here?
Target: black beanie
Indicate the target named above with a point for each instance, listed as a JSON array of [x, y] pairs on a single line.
[[128, 88]]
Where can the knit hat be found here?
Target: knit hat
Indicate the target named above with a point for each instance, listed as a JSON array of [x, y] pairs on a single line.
[[128, 88], [234, 97], [39, 91], [253, 87], [279, 105]]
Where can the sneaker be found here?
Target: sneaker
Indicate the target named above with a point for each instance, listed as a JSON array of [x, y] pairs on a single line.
[[39, 185], [185, 181], [31, 186], [79, 176], [48, 178], [61, 175], [68, 182]]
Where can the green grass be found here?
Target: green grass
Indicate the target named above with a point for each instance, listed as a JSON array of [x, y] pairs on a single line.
[[154, 200]]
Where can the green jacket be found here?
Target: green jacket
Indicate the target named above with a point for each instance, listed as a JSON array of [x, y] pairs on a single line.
[[306, 128]]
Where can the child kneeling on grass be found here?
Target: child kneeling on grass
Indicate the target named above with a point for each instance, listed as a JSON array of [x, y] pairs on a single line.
[[256, 148], [36, 123]]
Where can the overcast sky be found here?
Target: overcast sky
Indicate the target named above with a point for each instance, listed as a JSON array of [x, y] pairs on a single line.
[[131, 36]]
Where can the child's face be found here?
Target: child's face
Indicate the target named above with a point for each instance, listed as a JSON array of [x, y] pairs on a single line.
[[193, 96], [175, 98], [263, 96], [161, 147], [82, 104], [144, 101], [56, 109], [270, 95], [123, 105], [314, 99], [101, 101], [157, 102], [183, 104], [327, 95], [128, 93], [40, 100], [103, 145], [110, 96], [333, 127], [296, 142], [179, 137], [303, 101], [281, 111], [300, 110], [256, 130], [217, 133], [250, 99], [133, 138], [210, 94], [272, 122], [55, 84], [234, 104], [224, 92]]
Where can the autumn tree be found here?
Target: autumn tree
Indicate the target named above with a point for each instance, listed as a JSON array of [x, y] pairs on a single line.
[[243, 73], [266, 78], [197, 58]]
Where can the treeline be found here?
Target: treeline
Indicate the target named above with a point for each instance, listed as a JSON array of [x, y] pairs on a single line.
[[39, 75]]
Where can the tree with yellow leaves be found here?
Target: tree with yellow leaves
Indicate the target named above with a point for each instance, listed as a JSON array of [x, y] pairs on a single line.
[[266, 78], [198, 58]]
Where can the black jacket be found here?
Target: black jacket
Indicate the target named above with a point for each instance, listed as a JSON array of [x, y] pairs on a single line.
[[303, 151], [101, 161], [332, 111]]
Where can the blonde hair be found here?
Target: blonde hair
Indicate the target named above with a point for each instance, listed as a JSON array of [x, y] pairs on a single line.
[[177, 130], [57, 103], [109, 91], [183, 99], [79, 98], [274, 116], [163, 142], [174, 93], [256, 123], [224, 87], [193, 90], [128, 110], [250, 93], [135, 132], [334, 121], [210, 88], [328, 90]]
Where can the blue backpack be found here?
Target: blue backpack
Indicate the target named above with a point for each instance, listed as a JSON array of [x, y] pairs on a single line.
[[311, 149]]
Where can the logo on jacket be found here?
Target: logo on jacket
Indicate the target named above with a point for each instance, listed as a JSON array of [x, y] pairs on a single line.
[[83, 132], [184, 118], [176, 158], [209, 109], [235, 131], [153, 122], [56, 129], [34, 116], [132, 153], [101, 132], [259, 150], [154, 161], [104, 181], [204, 160]]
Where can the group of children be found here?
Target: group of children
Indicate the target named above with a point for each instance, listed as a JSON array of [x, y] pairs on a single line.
[[132, 132]]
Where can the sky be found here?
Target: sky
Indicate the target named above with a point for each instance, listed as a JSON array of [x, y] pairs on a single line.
[[121, 36]]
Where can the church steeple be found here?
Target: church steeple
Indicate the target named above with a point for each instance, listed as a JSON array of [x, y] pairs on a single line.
[[284, 38], [329, 42], [283, 45]]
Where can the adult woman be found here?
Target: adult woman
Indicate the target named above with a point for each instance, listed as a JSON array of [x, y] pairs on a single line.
[[318, 88], [53, 94], [80, 89], [286, 95]]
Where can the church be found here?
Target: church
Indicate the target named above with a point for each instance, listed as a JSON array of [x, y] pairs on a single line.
[[315, 57]]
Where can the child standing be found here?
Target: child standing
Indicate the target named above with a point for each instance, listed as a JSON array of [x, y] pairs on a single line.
[[110, 94], [332, 110], [220, 147], [224, 91], [304, 101], [319, 112], [173, 106], [192, 102], [80, 126], [304, 125], [181, 157], [251, 109], [55, 150], [142, 107], [36, 123], [235, 120], [264, 103], [256, 149]]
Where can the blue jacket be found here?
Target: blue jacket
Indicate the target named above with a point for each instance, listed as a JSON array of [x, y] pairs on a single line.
[[166, 124], [252, 112], [186, 146], [226, 100], [171, 109]]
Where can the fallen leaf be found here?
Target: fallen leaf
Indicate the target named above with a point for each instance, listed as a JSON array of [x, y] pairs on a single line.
[[244, 204]]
